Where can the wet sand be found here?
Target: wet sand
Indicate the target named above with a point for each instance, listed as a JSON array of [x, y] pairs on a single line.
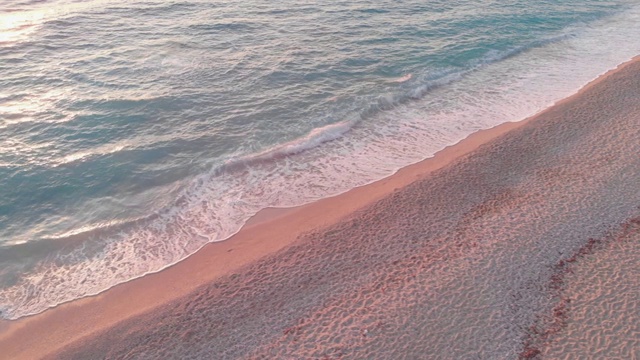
[[466, 255]]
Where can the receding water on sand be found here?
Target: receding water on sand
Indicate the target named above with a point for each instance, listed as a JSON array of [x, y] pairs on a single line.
[[139, 143], [500, 254]]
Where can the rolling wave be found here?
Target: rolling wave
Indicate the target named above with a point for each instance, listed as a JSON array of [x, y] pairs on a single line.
[[409, 119]]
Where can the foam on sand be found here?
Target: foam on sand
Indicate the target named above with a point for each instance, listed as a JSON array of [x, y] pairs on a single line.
[[459, 264], [426, 113]]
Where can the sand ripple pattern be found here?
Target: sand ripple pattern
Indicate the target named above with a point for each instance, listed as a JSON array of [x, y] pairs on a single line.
[[597, 314], [459, 265]]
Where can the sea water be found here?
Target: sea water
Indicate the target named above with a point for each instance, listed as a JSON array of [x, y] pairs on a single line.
[[132, 133]]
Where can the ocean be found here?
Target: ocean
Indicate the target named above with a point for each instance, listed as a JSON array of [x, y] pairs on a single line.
[[132, 133]]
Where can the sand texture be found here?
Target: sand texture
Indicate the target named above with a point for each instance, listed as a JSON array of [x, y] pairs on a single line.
[[525, 248], [598, 309]]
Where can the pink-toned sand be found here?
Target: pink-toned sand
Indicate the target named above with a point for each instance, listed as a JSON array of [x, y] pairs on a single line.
[[597, 314], [523, 247]]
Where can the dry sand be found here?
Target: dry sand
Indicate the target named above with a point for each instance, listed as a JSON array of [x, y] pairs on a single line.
[[485, 254], [598, 303]]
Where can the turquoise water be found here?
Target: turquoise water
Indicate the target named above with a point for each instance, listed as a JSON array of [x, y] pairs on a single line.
[[134, 132]]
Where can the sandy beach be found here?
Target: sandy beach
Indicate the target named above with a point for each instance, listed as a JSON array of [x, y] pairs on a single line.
[[519, 242]]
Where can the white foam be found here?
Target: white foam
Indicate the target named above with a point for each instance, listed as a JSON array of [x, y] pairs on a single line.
[[332, 160]]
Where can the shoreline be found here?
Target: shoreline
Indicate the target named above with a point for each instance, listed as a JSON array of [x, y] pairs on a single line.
[[221, 258], [265, 234]]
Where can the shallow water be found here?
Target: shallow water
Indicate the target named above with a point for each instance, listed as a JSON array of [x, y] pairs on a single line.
[[133, 133]]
